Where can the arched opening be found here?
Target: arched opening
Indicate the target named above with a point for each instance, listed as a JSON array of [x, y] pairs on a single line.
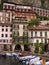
[[26, 48], [17, 47]]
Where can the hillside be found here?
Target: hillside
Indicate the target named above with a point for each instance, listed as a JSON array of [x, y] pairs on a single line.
[[38, 3]]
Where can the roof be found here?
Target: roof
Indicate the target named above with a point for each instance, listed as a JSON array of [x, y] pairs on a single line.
[[6, 24], [38, 28], [17, 4]]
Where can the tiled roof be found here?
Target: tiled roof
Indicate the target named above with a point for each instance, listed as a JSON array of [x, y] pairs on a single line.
[[40, 27]]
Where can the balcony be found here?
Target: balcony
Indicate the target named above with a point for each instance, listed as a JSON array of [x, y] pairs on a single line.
[[19, 19]]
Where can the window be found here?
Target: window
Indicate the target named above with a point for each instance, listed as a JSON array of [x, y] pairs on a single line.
[[31, 33], [4, 41], [10, 30], [37, 41], [2, 25], [40, 33], [7, 41], [18, 33], [25, 33], [18, 26], [35, 33], [6, 26], [24, 27], [45, 34], [0, 40], [45, 41], [13, 7], [10, 40], [6, 30], [8, 7], [11, 25], [14, 26], [2, 29], [10, 35], [2, 35], [6, 35]]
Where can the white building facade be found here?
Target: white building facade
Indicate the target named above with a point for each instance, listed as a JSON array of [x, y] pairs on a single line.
[[5, 30], [38, 34], [5, 35]]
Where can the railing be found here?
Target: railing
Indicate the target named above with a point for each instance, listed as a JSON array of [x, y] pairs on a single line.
[[15, 20]]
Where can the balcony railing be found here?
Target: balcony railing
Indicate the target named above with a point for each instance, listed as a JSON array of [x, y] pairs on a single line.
[[16, 20]]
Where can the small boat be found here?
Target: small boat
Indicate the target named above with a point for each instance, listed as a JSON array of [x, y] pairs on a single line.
[[47, 63], [9, 54], [26, 59], [35, 59], [15, 55], [20, 54], [3, 55]]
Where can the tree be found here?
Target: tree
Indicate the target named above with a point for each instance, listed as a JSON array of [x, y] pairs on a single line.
[[42, 17], [42, 3], [36, 47], [33, 22], [41, 48]]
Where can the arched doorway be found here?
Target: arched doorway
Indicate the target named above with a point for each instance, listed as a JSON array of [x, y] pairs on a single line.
[[26, 48], [17, 47]]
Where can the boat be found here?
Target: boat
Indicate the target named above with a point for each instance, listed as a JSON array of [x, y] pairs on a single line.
[[47, 63], [26, 59], [38, 63], [9, 54], [2, 55], [34, 60]]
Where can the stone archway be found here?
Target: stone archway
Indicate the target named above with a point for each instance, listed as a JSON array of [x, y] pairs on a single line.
[[17, 47], [26, 48]]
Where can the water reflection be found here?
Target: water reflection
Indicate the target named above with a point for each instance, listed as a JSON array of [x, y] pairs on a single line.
[[10, 61]]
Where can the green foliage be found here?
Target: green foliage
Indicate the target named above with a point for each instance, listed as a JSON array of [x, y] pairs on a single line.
[[42, 17], [13, 38], [41, 46], [1, 5], [36, 45], [41, 52], [33, 22], [26, 47], [5, 48], [36, 51], [42, 3]]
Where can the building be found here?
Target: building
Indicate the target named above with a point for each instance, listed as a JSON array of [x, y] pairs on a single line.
[[21, 35], [44, 22], [20, 10], [5, 17], [23, 10], [39, 34], [5, 35], [20, 32], [40, 11], [5, 30]]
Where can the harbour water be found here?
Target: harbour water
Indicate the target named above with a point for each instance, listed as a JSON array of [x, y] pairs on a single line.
[[10, 61]]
